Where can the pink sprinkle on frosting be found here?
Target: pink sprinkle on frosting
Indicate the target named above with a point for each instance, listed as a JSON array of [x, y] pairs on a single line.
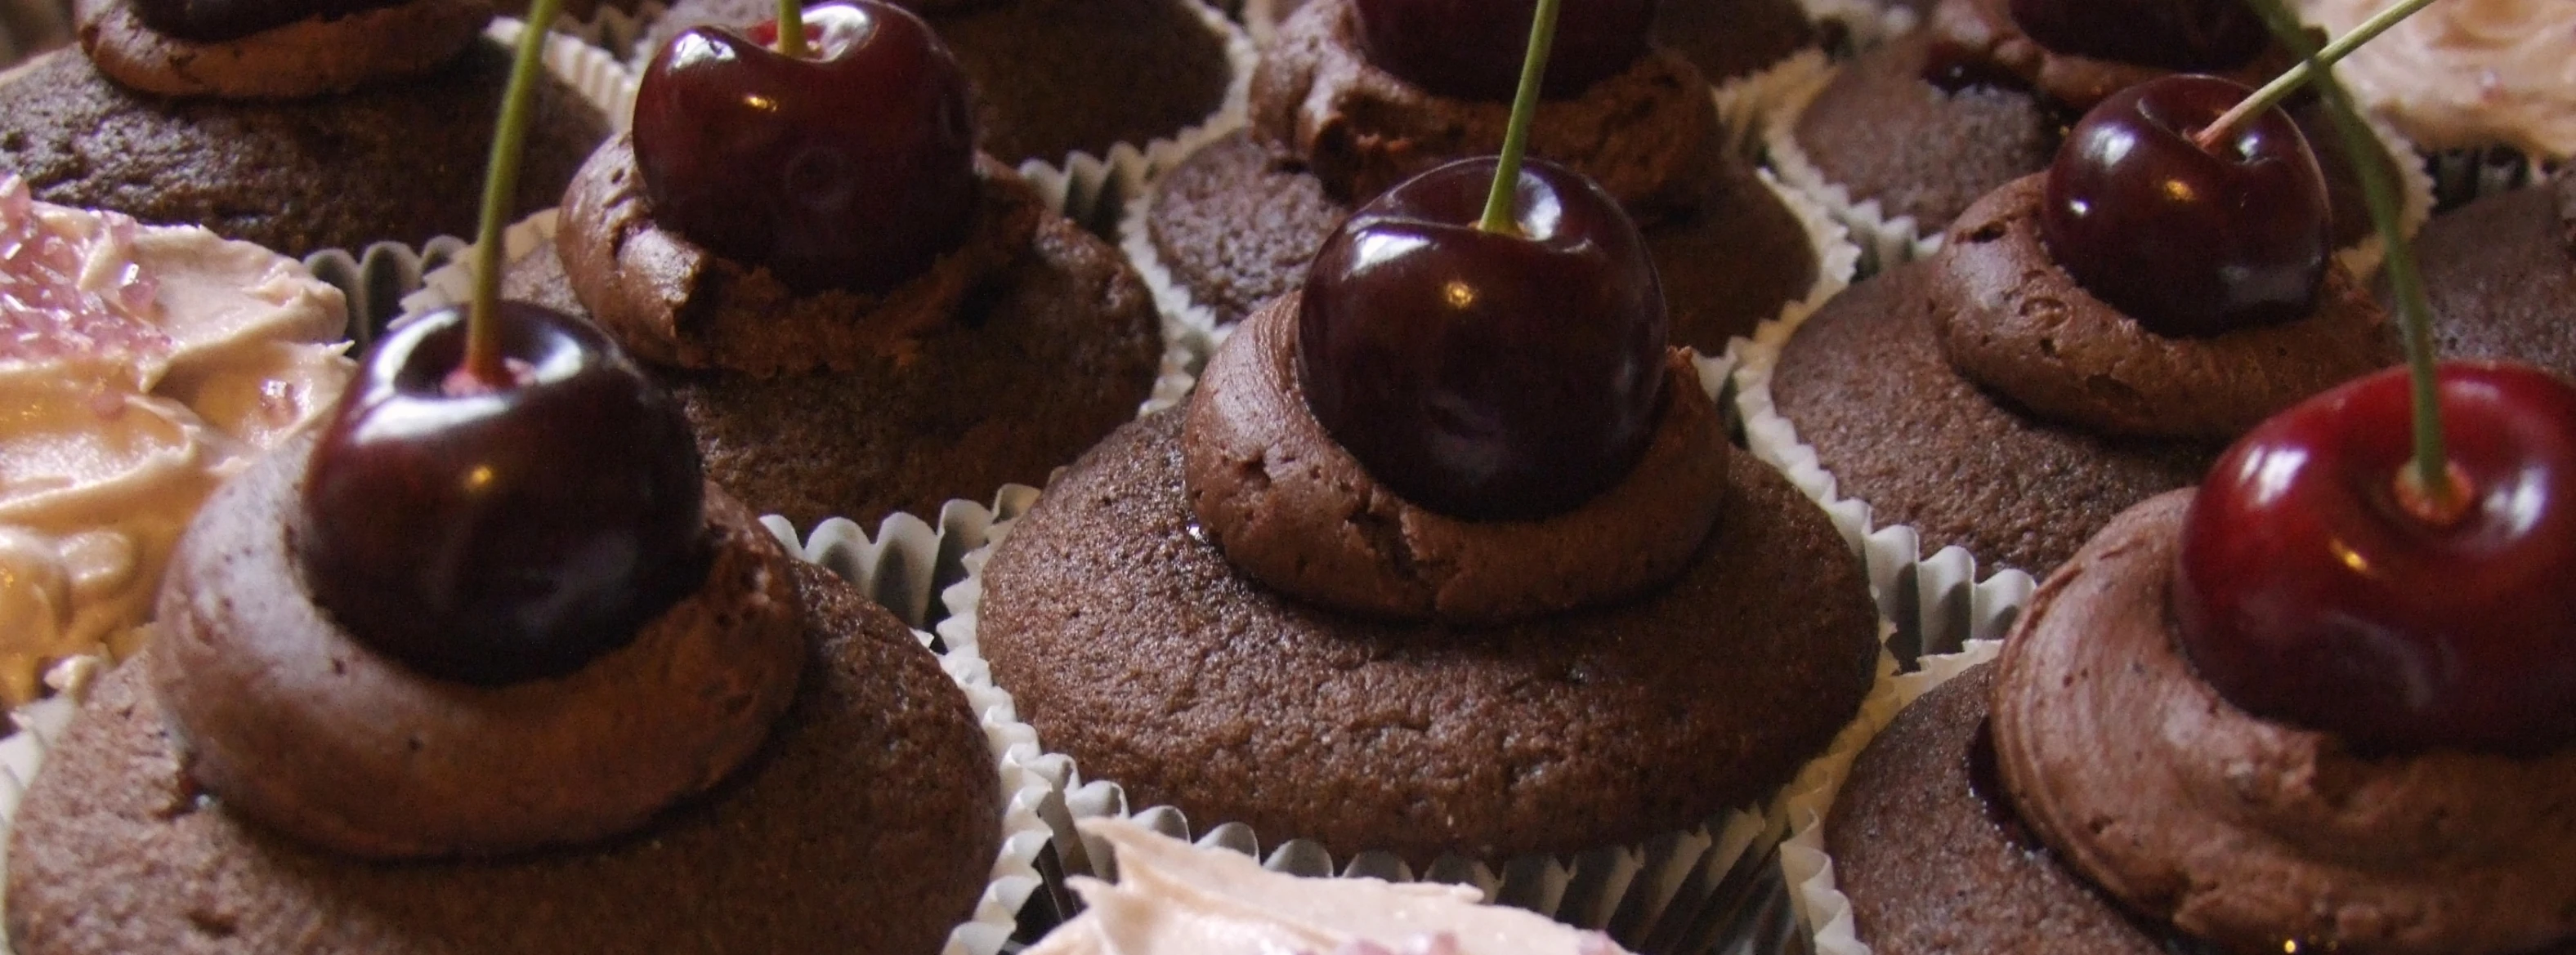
[[69, 285]]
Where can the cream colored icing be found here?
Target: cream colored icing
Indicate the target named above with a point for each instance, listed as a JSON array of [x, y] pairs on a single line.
[[1172, 898], [2466, 73], [139, 367]]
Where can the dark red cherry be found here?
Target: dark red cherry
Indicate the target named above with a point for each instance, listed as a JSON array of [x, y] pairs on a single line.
[[495, 535], [2198, 35], [1472, 49], [215, 21], [851, 168], [2307, 592], [1483, 374], [2186, 240]]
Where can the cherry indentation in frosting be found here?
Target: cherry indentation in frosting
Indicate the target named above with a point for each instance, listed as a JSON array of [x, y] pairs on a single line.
[[1486, 374], [852, 168], [498, 533], [2187, 240], [2309, 591]]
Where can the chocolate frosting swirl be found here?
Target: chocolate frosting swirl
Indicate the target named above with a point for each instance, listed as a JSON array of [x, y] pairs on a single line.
[[2010, 319], [1981, 33], [313, 56], [674, 302], [1647, 135], [294, 722], [1290, 506], [2251, 833]]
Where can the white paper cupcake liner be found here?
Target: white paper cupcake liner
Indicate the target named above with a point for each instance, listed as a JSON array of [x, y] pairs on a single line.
[[1188, 323], [1824, 913], [598, 76], [1888, 241], [899, 563], [2462, 176]]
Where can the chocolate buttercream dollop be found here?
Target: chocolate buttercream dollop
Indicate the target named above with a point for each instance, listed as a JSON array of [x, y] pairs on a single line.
[[1294, 509], [1981, 37], [326, 51], [2250, 833], [292, 721], [1648, 135], [673, 302], [2010, 319]]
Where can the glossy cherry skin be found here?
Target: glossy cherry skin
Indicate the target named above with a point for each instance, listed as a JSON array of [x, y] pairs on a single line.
[[2188, 241], [2170, 34], [215, 21], [851, 168], [1482, 374], [1472, 49], [2306, 593], [497, 535]]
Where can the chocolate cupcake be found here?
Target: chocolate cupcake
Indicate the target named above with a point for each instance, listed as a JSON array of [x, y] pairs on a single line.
[[872, 730], [2500, 274], [956, 334], [1056, 78], [1231, 227], [386, 109], [2003, 809], [1898, 142], [1986, 398], [1227, 613]]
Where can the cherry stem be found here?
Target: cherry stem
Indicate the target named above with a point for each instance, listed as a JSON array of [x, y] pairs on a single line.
[[2433, 480], [483, 358], [1499, 215], [791, 28], [2297, 76]]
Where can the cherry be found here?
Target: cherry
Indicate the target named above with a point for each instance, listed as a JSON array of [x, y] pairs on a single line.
[[854, 168], [215, 21], [491, 535], [2312, 589], [2168, 34], [1471, 49], [2185, 240], [1486, 374]]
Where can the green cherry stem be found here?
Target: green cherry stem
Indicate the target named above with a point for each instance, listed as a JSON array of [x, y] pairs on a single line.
[[2430, 488], [2297, 76], [1507, 168], [483, 363], [791, 28]]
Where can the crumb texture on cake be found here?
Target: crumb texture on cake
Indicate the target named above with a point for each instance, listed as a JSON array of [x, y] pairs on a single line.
[[397, 162]]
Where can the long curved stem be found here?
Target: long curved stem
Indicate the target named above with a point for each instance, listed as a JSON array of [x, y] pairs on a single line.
[[2431, 475], [483, 359], [2297, 76], [1507, 169]]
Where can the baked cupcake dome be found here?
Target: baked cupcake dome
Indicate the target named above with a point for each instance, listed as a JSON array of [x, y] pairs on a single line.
[[2500, 274], [394, 160]]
